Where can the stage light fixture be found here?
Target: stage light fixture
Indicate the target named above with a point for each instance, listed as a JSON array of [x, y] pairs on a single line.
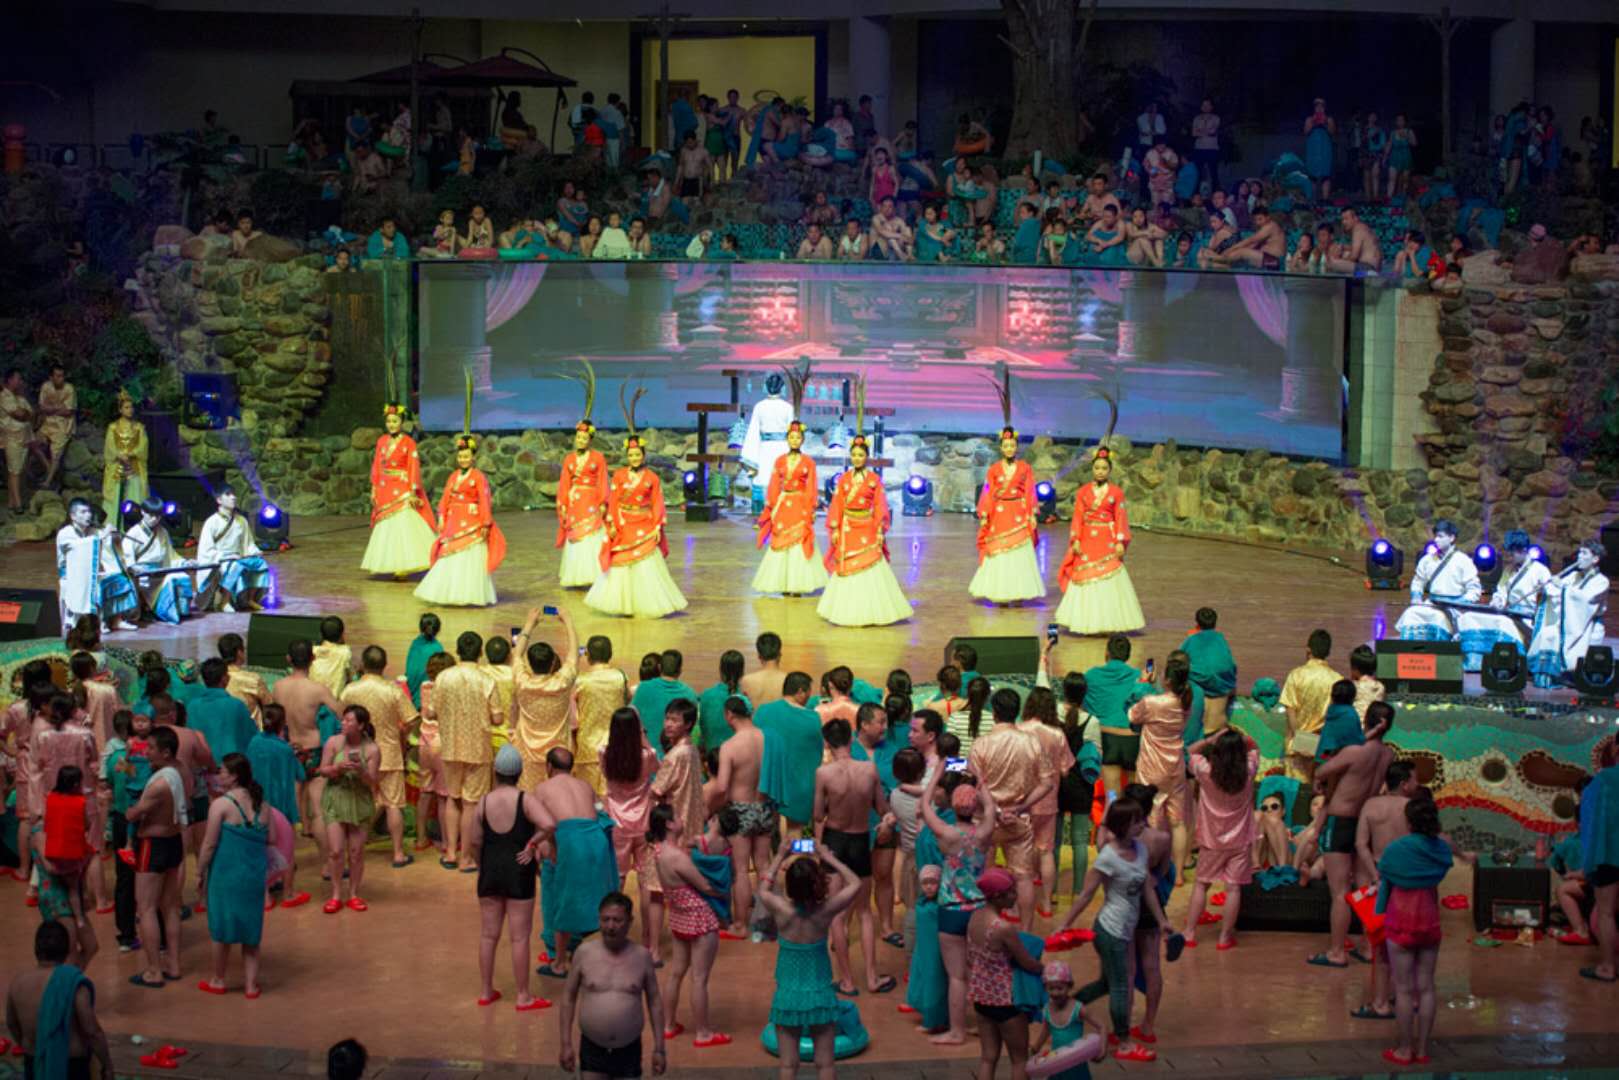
[[1504, 671], [1384, 563], [1488, 562], [1538, 554], [177, 519], [1046, 494], [692, 486], [129, 514], [1595, 676], [917, 499], [1430, 548], [271, 527]]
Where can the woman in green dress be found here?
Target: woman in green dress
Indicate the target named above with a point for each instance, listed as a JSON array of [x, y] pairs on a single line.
[[233, 865], [805, 1001], [350, 761]]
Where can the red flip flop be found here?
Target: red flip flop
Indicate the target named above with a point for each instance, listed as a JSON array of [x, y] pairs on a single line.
[[1206, 918], [332, 907], [209, 988], [108, 910], [906, 1009], [726, 935], [1217, 900], [534, 1006], [1191, 942], [356, 904], [200, 907], [490, 1000], [253, 995], [169, 1050], [1394, 1059], [674, 1032], [1224, 945], [1138, 1053], [716, 1039], [1140, 1036], [296, 901], [158, 1061]]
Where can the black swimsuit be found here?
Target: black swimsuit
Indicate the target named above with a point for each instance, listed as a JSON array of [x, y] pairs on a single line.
[[499, 873]]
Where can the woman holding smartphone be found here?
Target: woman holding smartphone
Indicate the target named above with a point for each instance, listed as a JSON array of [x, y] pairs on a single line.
[[964, 844]]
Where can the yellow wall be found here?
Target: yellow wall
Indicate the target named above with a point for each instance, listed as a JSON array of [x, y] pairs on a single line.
[[596, 54], [785, 65]]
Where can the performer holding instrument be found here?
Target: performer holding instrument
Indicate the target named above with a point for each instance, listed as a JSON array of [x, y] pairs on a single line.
[[239, 580], [791, 565], [1445, 573], [164, 579], [1007, 569], [1514, 601], [89, 579], [1571, 617], [582, 500]]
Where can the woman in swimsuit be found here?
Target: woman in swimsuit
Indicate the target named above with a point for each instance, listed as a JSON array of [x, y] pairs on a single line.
[[693, 925], [993, 946], [504, 831]]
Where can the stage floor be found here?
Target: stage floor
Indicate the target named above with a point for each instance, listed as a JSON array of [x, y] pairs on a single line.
[[328, 977]]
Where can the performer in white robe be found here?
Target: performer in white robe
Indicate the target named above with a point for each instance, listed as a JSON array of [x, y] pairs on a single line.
[[147, 547], [766, 439], [1571, 617], [227, 537], [1446, 573], [88, 580], [1517, 593]]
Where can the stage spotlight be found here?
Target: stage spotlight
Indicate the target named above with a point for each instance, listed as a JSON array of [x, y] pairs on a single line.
[[1384, 562], [1538, 554], [1488, 562], [1430, 548], [271, 527], [1046, 494], [1504, 671], [917, 500], [692, 486], [129, 514], [177, 519], [1595, 675]]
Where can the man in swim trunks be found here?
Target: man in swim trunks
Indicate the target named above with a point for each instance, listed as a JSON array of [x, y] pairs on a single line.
[[1265, 249], [607, 985], [195, 760], [160, 855], [764, 685], [302, 698], [1347, 779], [847, 792], [741, 759]]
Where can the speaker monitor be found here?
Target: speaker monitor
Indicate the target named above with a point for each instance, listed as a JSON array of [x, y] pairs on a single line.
[[1420, 667], [1511, 897], [269, 635], [1594, 675], [26, 614], [1504, 671], [191, 488], [1010, 655]]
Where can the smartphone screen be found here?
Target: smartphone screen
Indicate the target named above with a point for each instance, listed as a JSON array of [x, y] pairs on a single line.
[[804, 847], [1150, 668], [548, 610], [517, 632], [955, 764], [1053, 631]]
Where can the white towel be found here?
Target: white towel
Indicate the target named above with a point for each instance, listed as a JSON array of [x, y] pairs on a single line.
[[177, 788]]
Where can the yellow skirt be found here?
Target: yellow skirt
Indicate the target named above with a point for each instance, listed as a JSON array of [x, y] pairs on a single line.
[[581, 561], [871, 597], [460, 580], [790, 571], [401, 543], [1107, 605], [641, 590], [1011, 575]]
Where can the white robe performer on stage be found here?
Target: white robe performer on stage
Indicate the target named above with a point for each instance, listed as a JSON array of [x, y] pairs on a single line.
[[1446, 573], [227, 537], [88, 580], [1571, 618], [1007, 569], [1518, 593], [582, 500], [766, 439], [147, 548], [791, 565]]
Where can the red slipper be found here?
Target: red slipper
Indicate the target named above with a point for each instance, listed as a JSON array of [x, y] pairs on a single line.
[[726, 935], [1572, 938], [1395, 1059], [332, 907], [253, 995], [1207, 919], [1191, 942], [200, 907], [716, 1039], [125, 856], [1138, 1053], [209, 988], [1230, 943], [296, 901], [169, 1050], [1044, 913], [1455, 902], [490, 1000], [534, 1006], [1140, 1036], [543, 958], [906, 1009], [158, 1061], [356, 904], [105, 910], [674, 1032], [31, 901], [1217, 899]]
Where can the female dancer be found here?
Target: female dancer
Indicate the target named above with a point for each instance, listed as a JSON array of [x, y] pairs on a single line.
[[791, 566], [863, 590], [582, 499], [1097, 595], [635, 580], [470, 546], [350, 762], [402, 525], [1007, 570]]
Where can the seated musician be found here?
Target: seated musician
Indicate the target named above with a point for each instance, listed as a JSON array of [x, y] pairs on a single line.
[[147, 548], [1515, 600], [242, 578], [1444, 573]]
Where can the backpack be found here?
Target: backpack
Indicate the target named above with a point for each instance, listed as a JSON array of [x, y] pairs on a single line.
[[1074, 792]]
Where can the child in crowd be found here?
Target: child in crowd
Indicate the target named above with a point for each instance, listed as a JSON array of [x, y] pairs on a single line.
[[1363, 672], [433, 790], [1063, 1021], [69, 845]]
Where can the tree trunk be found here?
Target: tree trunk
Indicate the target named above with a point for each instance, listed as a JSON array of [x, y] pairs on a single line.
[[1040, 34]]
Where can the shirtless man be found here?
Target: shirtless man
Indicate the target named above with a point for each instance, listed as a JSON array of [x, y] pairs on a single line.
[[1382, 821], [562, 797], [195, 760], [694, 169], [1221, 239], [1097, 199], [607, 985], [764, 686], [890, 235], [815, 245], [846, 794], [1363, 255], [1348, 779], [870, 732], [302, 697], [1264, 249], [160, 856], [837, 684], [25, 997], [741, 757]]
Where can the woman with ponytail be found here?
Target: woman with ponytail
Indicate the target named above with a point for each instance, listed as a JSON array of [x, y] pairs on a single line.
[[233, 866]]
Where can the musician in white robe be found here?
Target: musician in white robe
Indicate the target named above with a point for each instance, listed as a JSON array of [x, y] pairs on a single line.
[[147, 548], [227, 537], [1571, 617], [88, 580], [1444, 573], [1517, 594], [766, 439]]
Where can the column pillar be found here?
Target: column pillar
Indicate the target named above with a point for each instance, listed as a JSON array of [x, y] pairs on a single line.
[[870, 67], [453, 310], [1512, 65]]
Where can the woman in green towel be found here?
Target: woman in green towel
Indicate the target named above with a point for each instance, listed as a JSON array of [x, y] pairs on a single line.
[[233, 866]]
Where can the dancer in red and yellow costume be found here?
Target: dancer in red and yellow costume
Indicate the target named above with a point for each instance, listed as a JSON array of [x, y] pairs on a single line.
[[582, 501], [635, 579], [1007, 569], [791, 565], [1097, 595], [470, 545], [862, 590], [402, 525]]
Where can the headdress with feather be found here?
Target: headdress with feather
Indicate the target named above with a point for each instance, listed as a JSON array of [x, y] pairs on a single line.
[[1112, 400], [588, 380], [797, 382], [394, 405], [859, 414], [467, 440], [1002, 382], [631, 439]]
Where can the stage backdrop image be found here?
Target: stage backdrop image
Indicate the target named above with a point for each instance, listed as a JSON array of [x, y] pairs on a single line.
[[1218, 359]]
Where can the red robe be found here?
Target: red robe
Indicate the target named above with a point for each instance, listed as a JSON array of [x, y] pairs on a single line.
[[465, 518], [1097, 536], [635, 518], [1006, 509], [789, 515], [396, 478], [581, 496], [856, 523]]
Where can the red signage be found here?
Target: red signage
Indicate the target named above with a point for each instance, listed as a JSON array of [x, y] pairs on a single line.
[[10, 611], [1416, 666]]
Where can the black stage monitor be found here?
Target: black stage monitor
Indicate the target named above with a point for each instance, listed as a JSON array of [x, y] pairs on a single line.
[[26, 614], [1420, 667], [1017, 654], [269, 635]]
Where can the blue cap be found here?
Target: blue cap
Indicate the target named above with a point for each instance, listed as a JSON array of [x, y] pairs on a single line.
[[508, 762]]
